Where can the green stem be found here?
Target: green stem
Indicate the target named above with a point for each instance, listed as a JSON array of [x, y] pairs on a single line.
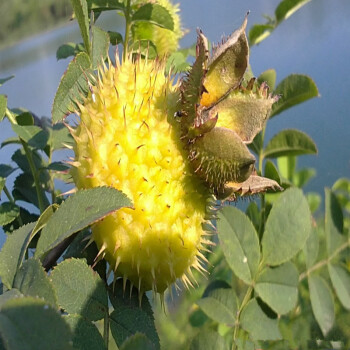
[[262, 196], [324, 262], [28, 153], [127, 28], [243, 304], [106, 329], [38, 189]]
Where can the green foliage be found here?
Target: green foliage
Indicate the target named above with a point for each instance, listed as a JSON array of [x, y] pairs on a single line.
[[279, 275]]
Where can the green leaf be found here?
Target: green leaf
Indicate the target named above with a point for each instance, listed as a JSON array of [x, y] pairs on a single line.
[[208, 339], [9, 294], [24, 188], [4, 80], [127, 308], [239, 242], [269, 76], [294, 89], [287, 167], [303, 176], [79, 289], [271, 171], [145, 48], [278, 287], [104, 5], [115, 38], [80, 210], [137, 341], [81, 13], [73, 84], [155, 14], [259, 32], [30, 323], [177, 63], [31, 280], [311, 248], [289, 142], [69, 49], [3, 106], [314, 199], [287, 7], [25, 118], [12, 253], [258, 324], [32, 134], [122, 323], [6, 170], [85, 334], [100, 44], [287, 227], [220, 305], [253, 214], [340, 278], [8, 212], [322, 303], [333, 222]]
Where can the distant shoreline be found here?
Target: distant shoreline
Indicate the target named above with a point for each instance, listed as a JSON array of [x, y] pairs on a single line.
[[23, 20]]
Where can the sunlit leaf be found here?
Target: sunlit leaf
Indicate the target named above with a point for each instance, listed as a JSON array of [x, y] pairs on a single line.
[[155, 14], [35, 136], [322, 303], [258, 324], [100, 44], [287, 227], [239, 242], [77, 212], [3, 106], [290, 142], [294, 89], [220, 305], [12, 253], [79, 289], [278, 287], [259, 32], [340, 278], [73, 84], [287, 7], [311, 248], [81, 13]]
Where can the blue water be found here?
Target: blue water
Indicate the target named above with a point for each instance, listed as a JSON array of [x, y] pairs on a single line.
[[314, 41]]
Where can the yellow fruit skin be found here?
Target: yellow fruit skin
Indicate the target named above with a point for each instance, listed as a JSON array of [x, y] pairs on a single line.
[[124, 140]]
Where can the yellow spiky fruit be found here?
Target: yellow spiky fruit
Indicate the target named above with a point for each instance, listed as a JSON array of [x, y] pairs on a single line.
[[124, 140]]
